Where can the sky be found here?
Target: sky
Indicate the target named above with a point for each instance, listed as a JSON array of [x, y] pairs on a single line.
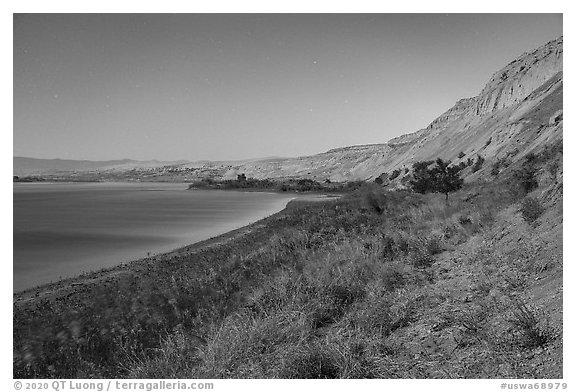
[[240, 86]]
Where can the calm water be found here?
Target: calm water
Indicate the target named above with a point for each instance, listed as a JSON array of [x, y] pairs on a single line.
[[62, 230]]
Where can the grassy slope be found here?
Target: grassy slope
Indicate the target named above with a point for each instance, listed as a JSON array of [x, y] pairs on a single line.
[[326, 290]]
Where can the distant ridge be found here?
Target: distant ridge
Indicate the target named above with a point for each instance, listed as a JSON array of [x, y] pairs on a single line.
[[24, 166]]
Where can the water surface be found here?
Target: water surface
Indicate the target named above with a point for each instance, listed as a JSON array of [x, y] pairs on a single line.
[[61, 230]]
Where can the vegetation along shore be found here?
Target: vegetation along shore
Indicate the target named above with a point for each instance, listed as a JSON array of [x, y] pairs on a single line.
[[378, 283]]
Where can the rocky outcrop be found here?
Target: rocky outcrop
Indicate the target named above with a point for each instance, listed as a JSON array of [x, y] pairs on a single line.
[[462, 108], [521, 77]]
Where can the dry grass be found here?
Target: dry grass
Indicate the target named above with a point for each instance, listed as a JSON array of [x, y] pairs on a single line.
[[362, 287]]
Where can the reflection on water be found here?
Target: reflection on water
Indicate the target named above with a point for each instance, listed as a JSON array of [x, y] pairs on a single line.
[[62, 230]]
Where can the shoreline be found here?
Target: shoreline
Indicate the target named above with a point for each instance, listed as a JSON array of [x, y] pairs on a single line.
[[67, 286]]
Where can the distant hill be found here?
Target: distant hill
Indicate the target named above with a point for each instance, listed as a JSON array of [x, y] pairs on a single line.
[[24, 166]]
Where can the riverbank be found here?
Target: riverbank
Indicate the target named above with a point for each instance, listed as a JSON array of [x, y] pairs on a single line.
[[372, 285], [68, 286], [62, 230]]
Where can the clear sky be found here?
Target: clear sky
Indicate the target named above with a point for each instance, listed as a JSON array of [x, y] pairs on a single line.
[[220, 87]]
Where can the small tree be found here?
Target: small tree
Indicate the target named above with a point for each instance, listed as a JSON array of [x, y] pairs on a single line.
[[422, 181], [441, 178], [446, 178]]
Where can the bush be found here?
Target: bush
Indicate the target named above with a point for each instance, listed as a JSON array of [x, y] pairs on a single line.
[[462, 165], [464, 220], [461, 155], [531, 209], [498, 165], [376, 204], [553, 170], [394, 174], [527, 176], [434, 245], [422, 259], [315, 363], [382, 179], [478, 165], [532, 332], [392, 276]]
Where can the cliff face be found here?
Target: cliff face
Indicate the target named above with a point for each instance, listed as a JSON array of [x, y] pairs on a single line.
[[519, 109], [520, 78]]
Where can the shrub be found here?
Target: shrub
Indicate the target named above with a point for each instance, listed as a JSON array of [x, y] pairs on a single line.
[[495, 170], [315, 363], [551, 150], [394, 174], [553, 170], [464, 220], [498, 165], [392, 276], [461, 155], [526, 175], [434, 245], [326, 315], [375, 203], [353, 185], [462, 165], [478, 165], [531, 209], [422, 259], [533, 333]]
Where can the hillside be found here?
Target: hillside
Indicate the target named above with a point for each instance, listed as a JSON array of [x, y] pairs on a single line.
[[519, 109]]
